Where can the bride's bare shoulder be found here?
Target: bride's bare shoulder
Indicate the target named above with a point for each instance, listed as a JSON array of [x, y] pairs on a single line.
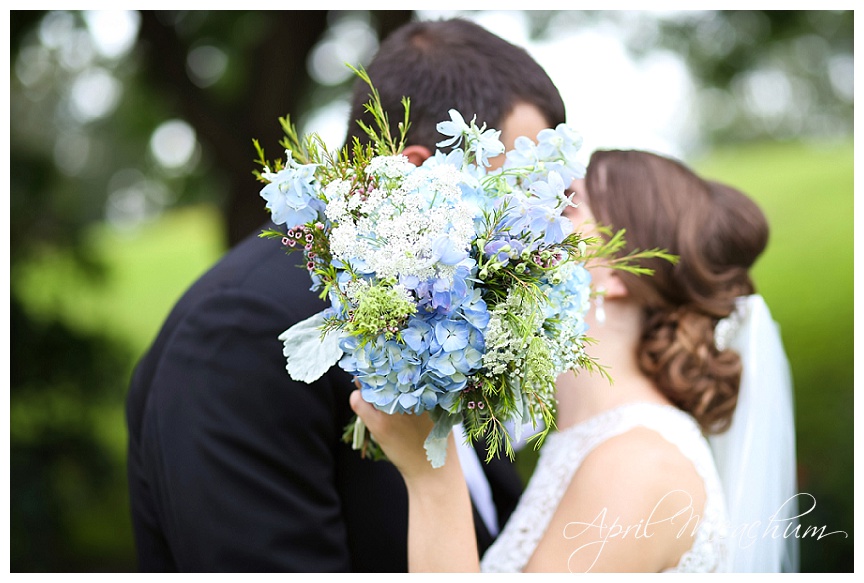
[[638, 470], [637, 451], [637, 497]]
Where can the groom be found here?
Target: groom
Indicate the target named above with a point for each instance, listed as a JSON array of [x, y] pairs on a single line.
[[235, 467]]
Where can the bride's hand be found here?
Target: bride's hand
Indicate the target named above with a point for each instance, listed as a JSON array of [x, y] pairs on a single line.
[[401, 436], [441, 533]]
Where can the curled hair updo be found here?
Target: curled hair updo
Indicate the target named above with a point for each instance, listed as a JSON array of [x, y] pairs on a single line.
[[717, 233]]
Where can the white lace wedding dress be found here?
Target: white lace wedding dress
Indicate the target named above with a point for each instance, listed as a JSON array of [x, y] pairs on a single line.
[[563, 453]]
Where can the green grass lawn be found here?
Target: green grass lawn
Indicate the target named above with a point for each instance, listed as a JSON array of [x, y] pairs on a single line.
[[806, 276], [148, 269]]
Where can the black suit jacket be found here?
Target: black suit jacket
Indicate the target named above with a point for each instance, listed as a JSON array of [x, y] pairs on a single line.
[[235, 467]]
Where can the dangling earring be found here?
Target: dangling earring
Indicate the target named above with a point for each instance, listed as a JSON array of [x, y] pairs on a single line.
[[599, 310]]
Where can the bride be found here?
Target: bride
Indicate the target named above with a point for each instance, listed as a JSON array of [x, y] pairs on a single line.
[[629, 482]]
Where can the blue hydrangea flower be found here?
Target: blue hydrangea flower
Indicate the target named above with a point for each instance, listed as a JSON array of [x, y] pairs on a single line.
[[476, 313], [452, 335], [418, 334], [429, 368], [407, 368], [569, 297]]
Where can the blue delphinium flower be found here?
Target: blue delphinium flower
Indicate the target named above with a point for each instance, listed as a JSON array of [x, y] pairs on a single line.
[[524, 153], [549, 223], [562, 142], [559, 148], [555, 150], [291, 194], [549, 192], [452, 158], [538, 216], [504, 249], [546, 209], [485, 144], [456, 129]]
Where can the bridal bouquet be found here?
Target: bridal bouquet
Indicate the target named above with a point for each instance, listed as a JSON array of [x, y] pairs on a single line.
[[453, 289]]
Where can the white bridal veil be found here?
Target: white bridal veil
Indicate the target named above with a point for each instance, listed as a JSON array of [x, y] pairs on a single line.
[[756, 456]]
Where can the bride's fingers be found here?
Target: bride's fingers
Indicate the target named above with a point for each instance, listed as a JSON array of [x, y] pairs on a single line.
[[371, 416], [400, 429], [358, 405]]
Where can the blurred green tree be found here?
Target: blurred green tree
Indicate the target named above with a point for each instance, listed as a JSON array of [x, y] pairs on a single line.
[[778, 74]]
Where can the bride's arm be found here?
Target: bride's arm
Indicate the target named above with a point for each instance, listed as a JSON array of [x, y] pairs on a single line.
[[441, 534]]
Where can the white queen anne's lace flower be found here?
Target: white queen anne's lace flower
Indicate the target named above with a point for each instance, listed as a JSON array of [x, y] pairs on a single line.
[[389, 166], [394, 229]]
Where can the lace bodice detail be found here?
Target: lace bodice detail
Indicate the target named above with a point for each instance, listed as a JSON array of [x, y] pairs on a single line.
[[563, 453]]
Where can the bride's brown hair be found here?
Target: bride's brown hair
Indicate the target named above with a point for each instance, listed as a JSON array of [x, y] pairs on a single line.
[[718, 233]]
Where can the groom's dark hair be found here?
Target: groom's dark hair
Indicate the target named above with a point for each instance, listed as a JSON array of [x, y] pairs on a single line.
[[452, 64]]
